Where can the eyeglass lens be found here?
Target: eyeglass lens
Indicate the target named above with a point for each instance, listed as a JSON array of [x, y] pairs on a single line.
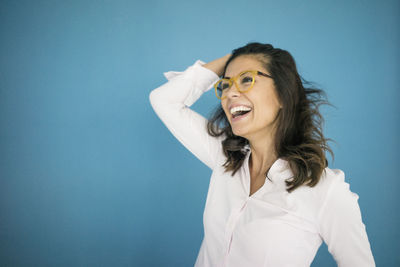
[[244, 82]]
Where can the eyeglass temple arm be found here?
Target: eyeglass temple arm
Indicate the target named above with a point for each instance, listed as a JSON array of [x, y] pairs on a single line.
[[264, 74]]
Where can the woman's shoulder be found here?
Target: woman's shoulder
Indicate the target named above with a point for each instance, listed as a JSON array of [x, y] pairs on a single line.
[[332, 185], [329, 178]]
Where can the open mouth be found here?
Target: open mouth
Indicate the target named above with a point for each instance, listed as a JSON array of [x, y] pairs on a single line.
[[239, 112]]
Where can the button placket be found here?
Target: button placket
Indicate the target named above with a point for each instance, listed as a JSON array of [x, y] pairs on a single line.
[[231, 226]]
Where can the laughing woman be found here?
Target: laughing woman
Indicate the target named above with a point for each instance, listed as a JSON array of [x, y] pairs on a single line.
[[272, 200]]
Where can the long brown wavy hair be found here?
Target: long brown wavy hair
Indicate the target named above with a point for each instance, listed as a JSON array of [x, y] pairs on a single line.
[[299, 136]]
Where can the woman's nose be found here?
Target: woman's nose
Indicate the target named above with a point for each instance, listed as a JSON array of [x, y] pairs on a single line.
[[233, 91]]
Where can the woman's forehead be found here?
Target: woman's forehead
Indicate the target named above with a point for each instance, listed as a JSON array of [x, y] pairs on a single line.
[[242, 63]]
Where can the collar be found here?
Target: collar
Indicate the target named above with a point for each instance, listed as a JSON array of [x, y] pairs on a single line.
[[279, 170]]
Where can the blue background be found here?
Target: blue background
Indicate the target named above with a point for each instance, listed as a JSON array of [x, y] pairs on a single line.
[[89, 176]]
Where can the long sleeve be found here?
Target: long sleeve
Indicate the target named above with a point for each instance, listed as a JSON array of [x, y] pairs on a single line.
[[171, 102], [342, 229]]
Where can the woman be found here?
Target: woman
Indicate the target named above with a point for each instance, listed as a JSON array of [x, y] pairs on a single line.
[[272, 199]]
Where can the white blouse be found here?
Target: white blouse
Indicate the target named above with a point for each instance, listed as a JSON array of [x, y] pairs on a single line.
[[271, 227]]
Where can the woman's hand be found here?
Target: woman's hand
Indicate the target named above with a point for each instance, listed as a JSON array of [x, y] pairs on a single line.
[[218, 64]]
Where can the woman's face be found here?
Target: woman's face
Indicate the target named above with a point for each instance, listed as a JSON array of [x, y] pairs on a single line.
[[262, 99]]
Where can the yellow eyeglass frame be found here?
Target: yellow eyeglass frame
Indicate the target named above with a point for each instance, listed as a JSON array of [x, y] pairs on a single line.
[[232, 80]]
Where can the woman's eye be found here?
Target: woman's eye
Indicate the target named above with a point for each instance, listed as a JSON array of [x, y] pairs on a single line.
[[247, 79], [224, 86]]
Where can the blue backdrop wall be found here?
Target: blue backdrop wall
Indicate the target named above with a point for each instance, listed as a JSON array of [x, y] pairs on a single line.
[[89, 176]]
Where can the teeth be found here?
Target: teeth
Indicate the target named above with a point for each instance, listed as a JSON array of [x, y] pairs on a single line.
[[239, 108]]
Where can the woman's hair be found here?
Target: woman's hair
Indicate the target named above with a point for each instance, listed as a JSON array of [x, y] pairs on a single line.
[[298, 136]]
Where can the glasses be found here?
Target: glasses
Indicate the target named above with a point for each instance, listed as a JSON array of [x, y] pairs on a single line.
[[244, 81]]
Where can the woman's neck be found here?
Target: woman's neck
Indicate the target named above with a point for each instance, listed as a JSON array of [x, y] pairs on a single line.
[[263, 153]]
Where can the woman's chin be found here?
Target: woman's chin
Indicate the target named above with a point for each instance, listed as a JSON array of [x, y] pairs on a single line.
[[239, 132]]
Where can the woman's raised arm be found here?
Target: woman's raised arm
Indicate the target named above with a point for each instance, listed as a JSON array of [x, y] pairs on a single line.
[[171, 102]]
